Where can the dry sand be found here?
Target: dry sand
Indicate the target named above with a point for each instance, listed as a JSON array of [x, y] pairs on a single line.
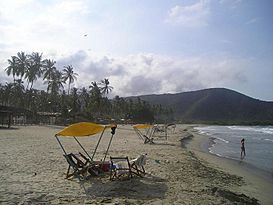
[[32, 171]]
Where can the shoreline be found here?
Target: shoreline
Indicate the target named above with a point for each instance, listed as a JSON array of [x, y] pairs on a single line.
[[265, 174], [259, 183]]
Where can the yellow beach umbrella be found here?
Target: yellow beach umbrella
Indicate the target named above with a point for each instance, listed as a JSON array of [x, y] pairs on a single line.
[[84, 129], [142, 126]]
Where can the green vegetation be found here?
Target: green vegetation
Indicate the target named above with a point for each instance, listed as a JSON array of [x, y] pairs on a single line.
[[210, 106], [75, 104], [215, 106]]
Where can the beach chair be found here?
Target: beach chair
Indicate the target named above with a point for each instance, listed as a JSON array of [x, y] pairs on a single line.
[[79, 167], [120, 168], [82, 165], [137, 164], [148, 140], [147, 137]]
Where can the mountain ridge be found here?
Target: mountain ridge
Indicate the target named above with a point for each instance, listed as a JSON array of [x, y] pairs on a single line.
[[214, 105]]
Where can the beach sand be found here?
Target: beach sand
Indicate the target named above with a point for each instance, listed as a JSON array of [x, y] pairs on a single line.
[[33, 169]]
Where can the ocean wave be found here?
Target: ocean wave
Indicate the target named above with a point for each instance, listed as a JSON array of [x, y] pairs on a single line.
[[212, 152], [202, 132], [265, 130], [208, 128], [271, 140], [226, 141]]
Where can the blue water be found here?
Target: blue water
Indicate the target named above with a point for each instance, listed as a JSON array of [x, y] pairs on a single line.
[[227, 143]]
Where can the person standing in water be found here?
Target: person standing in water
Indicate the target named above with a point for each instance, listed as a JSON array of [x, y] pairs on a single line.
[[243, 151]]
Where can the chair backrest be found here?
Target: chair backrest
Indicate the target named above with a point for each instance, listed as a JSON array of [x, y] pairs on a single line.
[[74, 161], [70, 160], [120, 166], [141, 160]]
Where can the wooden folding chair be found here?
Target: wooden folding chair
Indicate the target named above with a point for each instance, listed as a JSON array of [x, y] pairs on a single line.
[[148, 140], [79, 167], [137, 165], [120, 167]]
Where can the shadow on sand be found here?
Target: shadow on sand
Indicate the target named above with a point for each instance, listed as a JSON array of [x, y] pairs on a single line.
[[163, 143], [146, 188], [185, 140]]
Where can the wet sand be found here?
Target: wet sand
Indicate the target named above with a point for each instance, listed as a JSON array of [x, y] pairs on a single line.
[[33, 169]]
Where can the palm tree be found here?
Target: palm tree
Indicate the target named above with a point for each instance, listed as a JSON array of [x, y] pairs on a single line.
[[35, 66], [95, 91], [75, 100], [95, 97], [22, 63], [19, 90], [8, 93], [12, 68], [93, 85], [69, 75], [49, 69], [84, 98], [55, 84], [106, 87]]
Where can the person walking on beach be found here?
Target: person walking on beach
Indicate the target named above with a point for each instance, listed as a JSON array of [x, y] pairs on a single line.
[[243, 151]]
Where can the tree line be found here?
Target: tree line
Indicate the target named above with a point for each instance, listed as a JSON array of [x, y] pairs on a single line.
[[73, 104]]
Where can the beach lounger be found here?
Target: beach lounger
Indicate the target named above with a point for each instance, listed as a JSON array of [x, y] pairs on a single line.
[[137, 164], [82, 166], [120, 168], [79, 167], [147, 137], [148, 140]]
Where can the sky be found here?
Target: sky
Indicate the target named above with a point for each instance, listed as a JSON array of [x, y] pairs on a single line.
[[147, 46]]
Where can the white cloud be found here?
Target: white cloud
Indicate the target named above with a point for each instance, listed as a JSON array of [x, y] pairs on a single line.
[[195, 15], [36, 26], [151, 73]]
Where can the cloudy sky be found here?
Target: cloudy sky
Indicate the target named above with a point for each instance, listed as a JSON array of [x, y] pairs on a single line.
[[147, 46]]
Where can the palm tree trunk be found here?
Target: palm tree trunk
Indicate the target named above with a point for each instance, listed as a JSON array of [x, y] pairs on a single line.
[[69, 86]]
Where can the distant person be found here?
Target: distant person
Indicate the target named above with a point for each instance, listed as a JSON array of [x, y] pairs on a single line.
[[243, 151]]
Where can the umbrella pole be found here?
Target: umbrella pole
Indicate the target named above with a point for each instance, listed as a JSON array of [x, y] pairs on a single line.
[[82, 147], [138, 133], [113, 132], [98, 144], [60, 144], [152, 132], [107, 148]]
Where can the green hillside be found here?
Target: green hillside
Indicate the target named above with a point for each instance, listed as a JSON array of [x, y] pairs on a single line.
[[215, 105]]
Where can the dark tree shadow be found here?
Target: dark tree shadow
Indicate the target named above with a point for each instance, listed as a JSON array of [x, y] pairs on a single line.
[[8, 128]]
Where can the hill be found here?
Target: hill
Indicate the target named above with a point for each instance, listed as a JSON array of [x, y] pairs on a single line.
[[215, 105]]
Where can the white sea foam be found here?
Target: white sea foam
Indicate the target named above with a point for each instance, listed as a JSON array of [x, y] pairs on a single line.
[[202, 132], [266, 130], [210, 151], [222, 140], [271, 140]]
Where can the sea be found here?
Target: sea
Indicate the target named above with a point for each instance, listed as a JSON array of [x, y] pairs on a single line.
[[225, 141]]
